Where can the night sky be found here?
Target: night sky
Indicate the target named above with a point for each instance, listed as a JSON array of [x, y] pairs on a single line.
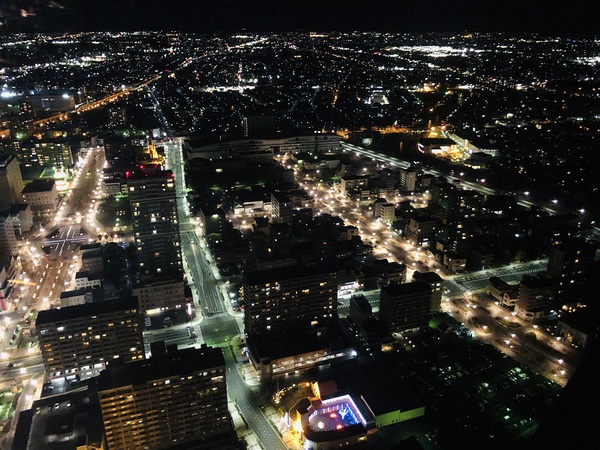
[[575, 17]]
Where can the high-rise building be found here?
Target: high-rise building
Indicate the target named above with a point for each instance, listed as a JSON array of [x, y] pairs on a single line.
[[570, 262], [405, 306], [464, 205], [11, 182], [436, 282], [78, 341], [153, 202], [161, 294], [92, 258], [458, 209], [46, 153], [388, 213], [257, 124], [276, 298], [22, 218], [388, 177], [537, 297], [422, 229], [281, 207], [8, 240], [177, 399], [408, 179], [6, 285], [42, 197]]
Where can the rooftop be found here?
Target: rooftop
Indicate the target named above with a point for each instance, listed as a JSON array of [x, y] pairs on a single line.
[[88, 309], [284, 273], [298, 341], [60, 422], [382, 390], [171, 363], [38, 186], [395, 290]]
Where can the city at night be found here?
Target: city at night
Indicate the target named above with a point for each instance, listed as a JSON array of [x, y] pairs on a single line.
[[260, 226]]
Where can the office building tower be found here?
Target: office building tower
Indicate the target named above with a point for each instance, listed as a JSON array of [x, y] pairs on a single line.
[[280, 297], [422, 229], [11, 182], [570, 263], [458, 209], [177, 399], [457, 204], [161, 294], [536, 298], [440, 195], [408, 179], [22, 218], [436, 283], [425, 181], [42, 197], [388, 178], [78, 341], [47, 153], [6, 285], [281, 207], [92, 258], [153, 202], [464, 205], [405, 306], [8, 240], [386, 212]]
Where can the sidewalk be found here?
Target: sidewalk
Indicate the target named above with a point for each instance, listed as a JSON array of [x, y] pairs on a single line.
[[243, 433]]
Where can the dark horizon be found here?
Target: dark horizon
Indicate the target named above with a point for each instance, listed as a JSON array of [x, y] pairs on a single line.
[[550, 18]]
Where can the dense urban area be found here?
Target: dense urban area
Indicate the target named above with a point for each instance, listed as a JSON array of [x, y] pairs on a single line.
[[298, 240]]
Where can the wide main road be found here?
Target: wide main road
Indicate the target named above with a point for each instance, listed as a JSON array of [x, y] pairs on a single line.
[[244, 399], [201, 275], [201, 272], [217, 327]]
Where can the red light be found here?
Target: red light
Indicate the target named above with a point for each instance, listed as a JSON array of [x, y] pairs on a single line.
[[127, 174], [142, 167]]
